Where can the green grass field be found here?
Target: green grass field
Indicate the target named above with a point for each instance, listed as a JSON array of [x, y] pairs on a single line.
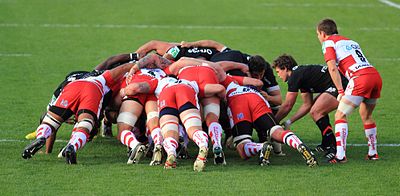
[[41, 41]]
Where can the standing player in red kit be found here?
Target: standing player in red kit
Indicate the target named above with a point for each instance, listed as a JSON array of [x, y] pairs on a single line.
[[365, 84]]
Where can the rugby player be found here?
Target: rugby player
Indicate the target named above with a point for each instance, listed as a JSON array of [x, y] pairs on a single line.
[[82, 98], [309, 80], [259, 68], [365, 83]]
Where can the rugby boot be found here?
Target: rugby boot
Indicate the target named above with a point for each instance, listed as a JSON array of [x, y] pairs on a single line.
[[32, 148], [62, 152], [201, 160], [308, 155], [219, 157], [265, 154], [136, 154], [70, 154], [31, 136], [170, 163], [157, 155], [374, 157], [335, 160]]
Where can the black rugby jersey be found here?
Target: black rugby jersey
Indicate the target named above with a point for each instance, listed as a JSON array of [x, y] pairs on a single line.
[[178, 52], [311, 79]]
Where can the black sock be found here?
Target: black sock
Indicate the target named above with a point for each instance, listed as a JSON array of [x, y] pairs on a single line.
[[328, 137]]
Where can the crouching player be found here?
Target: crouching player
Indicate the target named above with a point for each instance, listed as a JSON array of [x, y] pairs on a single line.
[[177, 100], [82, 98], [130, 111], [246, 108]]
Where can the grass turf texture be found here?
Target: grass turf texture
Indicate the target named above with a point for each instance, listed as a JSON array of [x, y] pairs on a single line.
[[62, 36]]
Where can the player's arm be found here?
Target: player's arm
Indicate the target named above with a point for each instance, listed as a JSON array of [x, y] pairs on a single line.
[[252, 81], [335, 75], [230, 65], [273, 97], [287, 106], [116, 60], [215, 89], [150, 61], [185, 61], [117, 73], [160, 47], [204, 43], [304, 108], [135, 88]]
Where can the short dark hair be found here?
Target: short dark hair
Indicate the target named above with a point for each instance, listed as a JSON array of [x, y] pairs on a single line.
[[328, 26], [284, 61], [257, 64]]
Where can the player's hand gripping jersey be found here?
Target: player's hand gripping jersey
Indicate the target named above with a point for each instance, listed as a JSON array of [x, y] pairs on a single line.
[[151, 76], [244, 103]]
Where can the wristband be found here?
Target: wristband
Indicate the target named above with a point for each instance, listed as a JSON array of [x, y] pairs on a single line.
[[341, 91]]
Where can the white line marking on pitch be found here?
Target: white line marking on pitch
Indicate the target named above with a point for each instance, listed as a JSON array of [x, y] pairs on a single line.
[[389, 3], [65, 141], [216, 27], [15, 55], [364, 5]]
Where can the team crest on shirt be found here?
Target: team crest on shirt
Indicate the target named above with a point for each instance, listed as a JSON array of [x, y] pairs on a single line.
[[240, 116], [64, 103]]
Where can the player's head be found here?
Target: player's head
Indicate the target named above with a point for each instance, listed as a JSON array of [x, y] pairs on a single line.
[[328, 26], [284, 61], [257, 66], [325, 28], [283, 66]]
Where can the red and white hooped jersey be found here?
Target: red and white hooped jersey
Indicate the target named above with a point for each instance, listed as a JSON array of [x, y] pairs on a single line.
[[233, 88], [350, 59], [104, 82]]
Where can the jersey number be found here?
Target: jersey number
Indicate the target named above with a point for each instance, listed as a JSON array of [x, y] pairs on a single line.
[[360, 55]]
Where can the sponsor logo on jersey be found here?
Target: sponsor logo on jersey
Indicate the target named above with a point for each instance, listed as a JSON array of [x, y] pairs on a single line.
[[174, 51], [64, 103], [240, 116], [352, 46], [201, 50], [331, 90], [162, 103]]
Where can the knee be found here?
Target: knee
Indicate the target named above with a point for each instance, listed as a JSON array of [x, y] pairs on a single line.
[[339, 115]]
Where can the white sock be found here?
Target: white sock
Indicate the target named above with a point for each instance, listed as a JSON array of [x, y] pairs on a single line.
[[44, 130], [370, 133], [128, 138], [215, 133], [341, 131], [78, 139]]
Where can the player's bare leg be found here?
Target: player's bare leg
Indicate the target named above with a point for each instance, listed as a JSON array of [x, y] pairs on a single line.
[[211, 109], [155, 131], [192, 121], [370, 129], [79, 137], [51, 122], [129, 113], [290, 139], [169, 129], [323, 105]]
